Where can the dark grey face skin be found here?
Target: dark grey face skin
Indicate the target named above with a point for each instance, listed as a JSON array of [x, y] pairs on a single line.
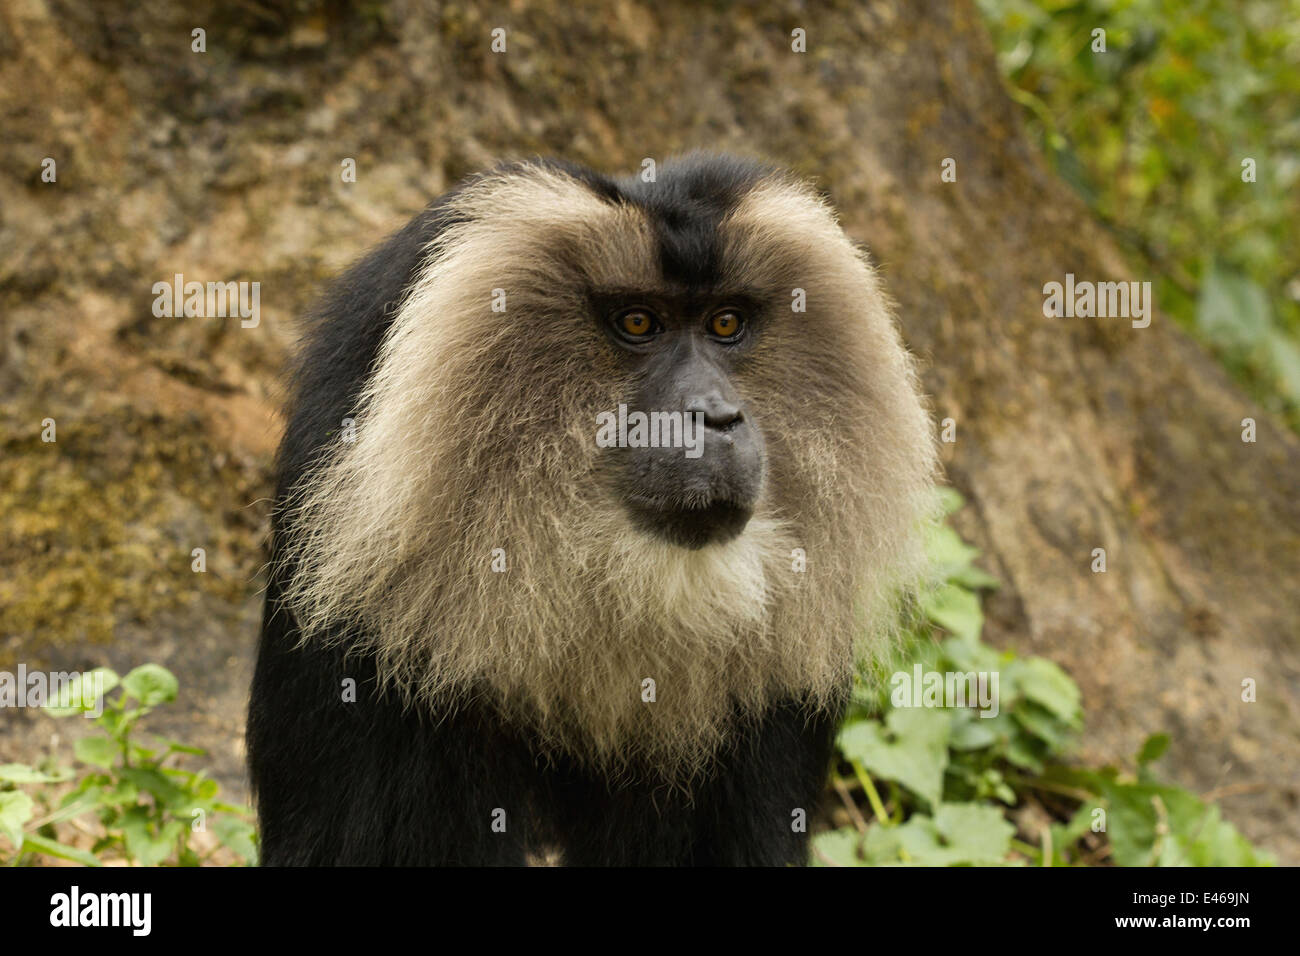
[[684, 360]]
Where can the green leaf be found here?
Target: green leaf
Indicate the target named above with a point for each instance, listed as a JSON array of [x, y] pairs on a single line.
[[971, 731], [947, 551], [978, 833], [1149, 824], [1025, 750], [145, 843], [1232, 310], [1212, 841], [206, 789], [966, 654], [21, 773], [1153, 748], [975, 579], [840, 847], [88, 787], [1065, 836], [958, 833], [956, 610], [35, 843], [1283, 354], [951, 559], [104, 843], [98, 751], [151, 684], [911, 748], [1040, 723], [16, 808], [1047, 685], [165, 792], [950, 500], [123, 793], [82, 693], [142, 756], [175, 746], [239, 836]]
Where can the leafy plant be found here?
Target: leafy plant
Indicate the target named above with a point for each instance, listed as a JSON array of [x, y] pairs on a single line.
[[147, 810], [982, 781], [1155, 134]]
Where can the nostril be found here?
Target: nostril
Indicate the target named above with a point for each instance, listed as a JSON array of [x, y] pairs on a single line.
[[725, 422], [719, 415]]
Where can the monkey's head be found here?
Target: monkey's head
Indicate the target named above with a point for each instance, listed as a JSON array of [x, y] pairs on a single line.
[[654, 427]]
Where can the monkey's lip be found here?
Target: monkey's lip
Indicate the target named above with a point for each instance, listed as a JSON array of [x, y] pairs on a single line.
[[690, 524]]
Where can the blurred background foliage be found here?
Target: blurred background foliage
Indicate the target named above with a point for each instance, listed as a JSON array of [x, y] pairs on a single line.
[[1153, 133], [929, 781]]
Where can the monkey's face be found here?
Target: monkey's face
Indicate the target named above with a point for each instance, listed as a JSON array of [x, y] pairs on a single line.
[[691, 453]]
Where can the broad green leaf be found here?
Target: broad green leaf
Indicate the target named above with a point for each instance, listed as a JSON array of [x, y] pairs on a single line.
[[1212, 841], [143, 844], [978, 832], [98, 751], [970, 731], [123, 793], [206, 789], [947, 552], [840, 847], [911, 748], [958, 833], [16, 809], [950, 500], [82, 693], [238, 836], [967, 654], [1135, 813], [1043, 725], [1153, 748], [957, 610], [151, 684], [1232, 310], [1047, 685], [975, 579]]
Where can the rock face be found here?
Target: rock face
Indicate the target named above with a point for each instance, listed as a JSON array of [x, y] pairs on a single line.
[[225, 165]]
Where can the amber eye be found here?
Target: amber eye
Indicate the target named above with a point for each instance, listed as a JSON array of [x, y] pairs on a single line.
[[636, 323], [726, 324]]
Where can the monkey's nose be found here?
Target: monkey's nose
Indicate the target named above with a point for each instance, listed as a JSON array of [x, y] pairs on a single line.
[[719, 414]]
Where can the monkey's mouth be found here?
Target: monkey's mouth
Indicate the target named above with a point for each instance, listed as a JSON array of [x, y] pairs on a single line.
[[690, 525]]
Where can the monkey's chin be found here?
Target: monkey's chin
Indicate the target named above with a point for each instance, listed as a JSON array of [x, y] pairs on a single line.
[[715, 523]]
